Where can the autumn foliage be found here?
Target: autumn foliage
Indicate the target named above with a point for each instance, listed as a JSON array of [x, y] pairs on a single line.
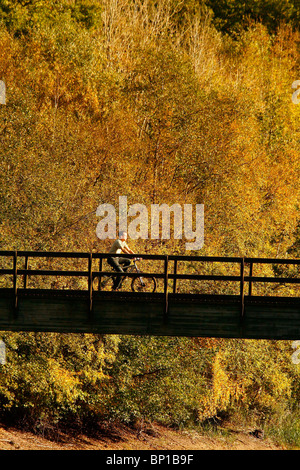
[[161, 102]]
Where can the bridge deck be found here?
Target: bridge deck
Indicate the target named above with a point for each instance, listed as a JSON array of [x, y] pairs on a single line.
[[141, 313]]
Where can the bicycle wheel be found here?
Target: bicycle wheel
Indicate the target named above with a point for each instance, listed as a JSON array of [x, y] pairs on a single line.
[[107, 283], [143, 284]]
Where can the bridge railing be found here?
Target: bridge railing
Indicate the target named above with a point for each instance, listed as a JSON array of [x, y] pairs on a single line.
[[15, 264]]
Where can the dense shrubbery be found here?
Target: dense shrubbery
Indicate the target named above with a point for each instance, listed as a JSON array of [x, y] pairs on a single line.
[[152, 100], [78, 379]]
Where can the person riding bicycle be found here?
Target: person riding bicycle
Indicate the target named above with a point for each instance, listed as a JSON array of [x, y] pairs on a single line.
[[119, 246]]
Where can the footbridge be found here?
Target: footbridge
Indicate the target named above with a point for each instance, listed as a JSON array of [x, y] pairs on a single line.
[[234, 297]]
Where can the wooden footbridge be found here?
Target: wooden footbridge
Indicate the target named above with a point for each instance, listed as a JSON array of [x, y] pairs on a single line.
[[195, 296]]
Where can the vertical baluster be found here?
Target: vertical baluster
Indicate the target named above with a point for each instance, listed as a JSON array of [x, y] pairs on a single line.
[[250, 274], [25, 275], [166, 267], [242, 287], [175, 277], [90, 285], [15, 284], [100, 269]]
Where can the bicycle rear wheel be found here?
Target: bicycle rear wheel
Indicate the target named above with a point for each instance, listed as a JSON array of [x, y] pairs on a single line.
[[107, 283], [143, 284]]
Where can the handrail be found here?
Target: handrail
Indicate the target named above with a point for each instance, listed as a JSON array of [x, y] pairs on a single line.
[[70, 254], [242, 278], [174, 276]]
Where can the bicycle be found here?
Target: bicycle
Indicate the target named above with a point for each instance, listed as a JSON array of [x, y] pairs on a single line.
[[138, 283]]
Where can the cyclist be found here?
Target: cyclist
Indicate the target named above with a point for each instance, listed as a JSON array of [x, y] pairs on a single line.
[[119, 246]]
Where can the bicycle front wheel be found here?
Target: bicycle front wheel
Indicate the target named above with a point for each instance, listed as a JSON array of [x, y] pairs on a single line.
[[143, 284]]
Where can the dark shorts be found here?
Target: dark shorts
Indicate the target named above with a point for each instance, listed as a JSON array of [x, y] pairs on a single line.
[[118, 264]]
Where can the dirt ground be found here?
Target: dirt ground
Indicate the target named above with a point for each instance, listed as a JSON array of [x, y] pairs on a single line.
[[123, 438]]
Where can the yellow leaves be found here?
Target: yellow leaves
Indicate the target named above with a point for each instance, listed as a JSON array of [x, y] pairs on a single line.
[[209, 120], [223, 392], [221, 387], [252, 374], [64, 382]]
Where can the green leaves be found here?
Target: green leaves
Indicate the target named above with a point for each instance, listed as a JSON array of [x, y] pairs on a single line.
[[53, 375], [231, 16], [25, 16]]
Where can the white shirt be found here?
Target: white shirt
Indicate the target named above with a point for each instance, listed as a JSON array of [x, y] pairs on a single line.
[[117, 246]]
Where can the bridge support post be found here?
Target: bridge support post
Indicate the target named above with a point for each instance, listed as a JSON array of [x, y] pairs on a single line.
[[242, 295], [166, 278], [90, 285], [15, 284], [250, 274], [25, 275], [175, 278], [100, 269]]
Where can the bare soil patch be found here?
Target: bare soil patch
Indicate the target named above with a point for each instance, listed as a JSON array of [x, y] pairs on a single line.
[[122, 438]]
